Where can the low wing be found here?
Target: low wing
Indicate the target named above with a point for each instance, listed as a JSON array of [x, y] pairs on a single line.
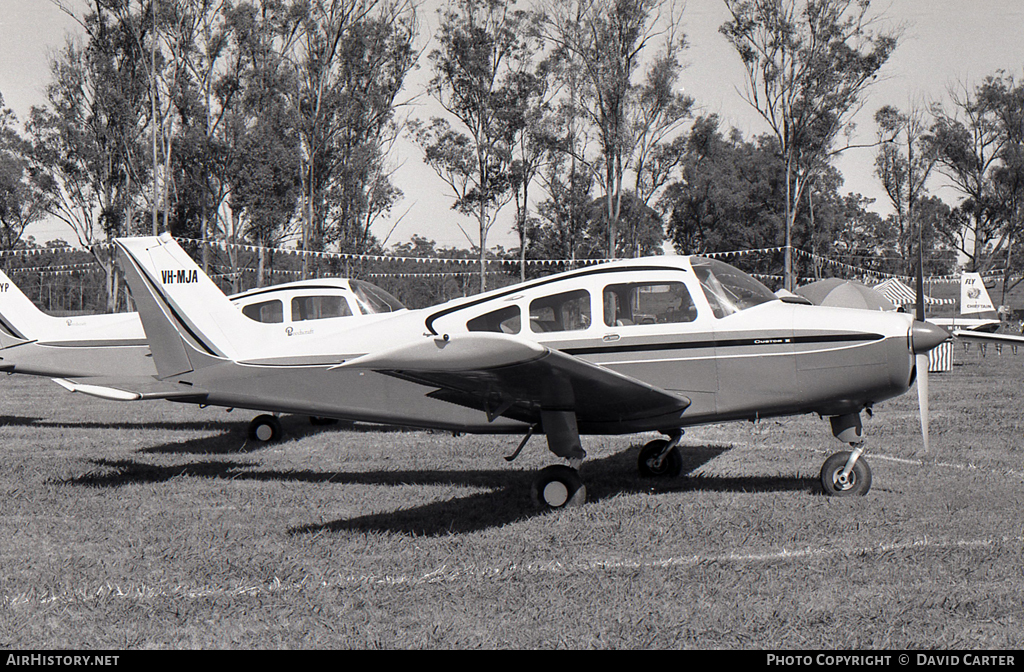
[[131, 388], [508, 376], [970, 334]]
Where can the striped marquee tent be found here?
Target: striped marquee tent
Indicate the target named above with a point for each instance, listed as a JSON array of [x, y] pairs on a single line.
[[900, 294], [940, 359]]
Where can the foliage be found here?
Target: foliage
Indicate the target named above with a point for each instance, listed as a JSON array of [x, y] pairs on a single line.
[[979, 146], [808, 63], [601, 48], [22, 200], [475, 83]]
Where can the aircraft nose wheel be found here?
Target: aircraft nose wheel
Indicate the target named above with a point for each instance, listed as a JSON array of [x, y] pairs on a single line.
[[557, 487], [265, 428], [857, 482]]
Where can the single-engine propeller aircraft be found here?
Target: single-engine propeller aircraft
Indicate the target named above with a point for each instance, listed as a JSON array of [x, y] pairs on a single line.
[[88, 353], [652, 344]]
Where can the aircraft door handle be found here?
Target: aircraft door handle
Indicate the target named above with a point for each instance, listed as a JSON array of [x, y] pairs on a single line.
[[610, 338]]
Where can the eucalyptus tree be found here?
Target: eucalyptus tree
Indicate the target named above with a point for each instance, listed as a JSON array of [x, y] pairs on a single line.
[[197, 37], [969, 141], [904, 163], [477, 39], [22, 200], [260, 136], [807, 63], [605, 43], [1009, 176], [88, 138], [349, 59]]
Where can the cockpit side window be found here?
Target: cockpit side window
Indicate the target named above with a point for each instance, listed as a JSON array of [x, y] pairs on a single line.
[[505, 320], [569, 311], [647, 303], [319, 307], [266, 311]]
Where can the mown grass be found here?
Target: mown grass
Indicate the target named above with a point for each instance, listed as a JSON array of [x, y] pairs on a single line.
[[155, 525]]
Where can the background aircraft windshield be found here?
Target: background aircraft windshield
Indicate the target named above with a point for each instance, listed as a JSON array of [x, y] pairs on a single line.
[[728, 289], [372, 299]]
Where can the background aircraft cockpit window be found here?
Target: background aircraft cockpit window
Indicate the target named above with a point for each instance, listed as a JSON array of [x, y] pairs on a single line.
[[728, 289], [647, 303], [372, 299], [267, 311], [319, 307], [504, 320], [569, 311]]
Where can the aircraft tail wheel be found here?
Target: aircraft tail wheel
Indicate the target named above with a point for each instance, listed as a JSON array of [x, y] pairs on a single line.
[[857, 483], [557, 487], [265, 428], [652, 464]]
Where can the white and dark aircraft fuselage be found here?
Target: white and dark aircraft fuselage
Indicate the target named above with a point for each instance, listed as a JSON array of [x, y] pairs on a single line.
[[632, 346]]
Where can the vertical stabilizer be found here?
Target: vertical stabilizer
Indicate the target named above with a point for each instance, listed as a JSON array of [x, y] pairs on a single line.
[[974, 297], [21, 322], [178, 303]]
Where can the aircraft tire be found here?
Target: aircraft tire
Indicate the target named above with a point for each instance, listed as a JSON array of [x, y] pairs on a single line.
[[265, 428], [670, 467], [557, 487], [859, 481]]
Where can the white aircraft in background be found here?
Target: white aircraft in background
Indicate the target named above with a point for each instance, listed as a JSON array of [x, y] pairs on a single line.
[[653, 344], [974, 300], [86, 353]]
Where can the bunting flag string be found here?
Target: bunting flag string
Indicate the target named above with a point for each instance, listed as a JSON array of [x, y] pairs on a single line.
[[508, 265], [90, 265]]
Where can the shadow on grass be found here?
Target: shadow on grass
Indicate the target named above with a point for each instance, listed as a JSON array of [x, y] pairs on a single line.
[[19, 421], [507, 499], [234, 437]]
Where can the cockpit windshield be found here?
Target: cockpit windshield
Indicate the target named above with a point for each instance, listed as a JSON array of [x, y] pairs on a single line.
[[372, 299], [728, 289]]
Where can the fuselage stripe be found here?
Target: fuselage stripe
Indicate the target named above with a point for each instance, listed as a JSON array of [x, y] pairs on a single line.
[[727, 343]]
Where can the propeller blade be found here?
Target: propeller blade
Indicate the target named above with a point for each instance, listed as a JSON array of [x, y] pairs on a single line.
[[922, 396], [920, 351]]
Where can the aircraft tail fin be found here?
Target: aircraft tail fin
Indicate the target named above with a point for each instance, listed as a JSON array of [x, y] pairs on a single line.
[[974, 297], [20, 319], [181, 308]]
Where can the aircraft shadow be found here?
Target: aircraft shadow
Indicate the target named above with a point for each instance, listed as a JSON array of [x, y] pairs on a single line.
[[507, 499], [234, 437], [19, 421]]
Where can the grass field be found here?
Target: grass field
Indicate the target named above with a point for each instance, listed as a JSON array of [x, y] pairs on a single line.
[[154, 525]]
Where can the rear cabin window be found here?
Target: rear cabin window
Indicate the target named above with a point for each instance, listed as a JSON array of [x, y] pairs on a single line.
[[569, 311], [267, 311], [504, 320], [319, 307], [647, 303]]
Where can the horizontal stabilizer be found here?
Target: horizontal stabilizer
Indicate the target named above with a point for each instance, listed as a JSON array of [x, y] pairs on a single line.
[[131, 389]]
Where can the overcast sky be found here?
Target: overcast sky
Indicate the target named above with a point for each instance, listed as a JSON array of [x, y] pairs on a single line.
[[946, 43]]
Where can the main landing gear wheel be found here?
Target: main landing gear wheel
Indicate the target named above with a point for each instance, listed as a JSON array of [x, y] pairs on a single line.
[[653, 462], [858, 482], [557, 487], [265, 428]]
